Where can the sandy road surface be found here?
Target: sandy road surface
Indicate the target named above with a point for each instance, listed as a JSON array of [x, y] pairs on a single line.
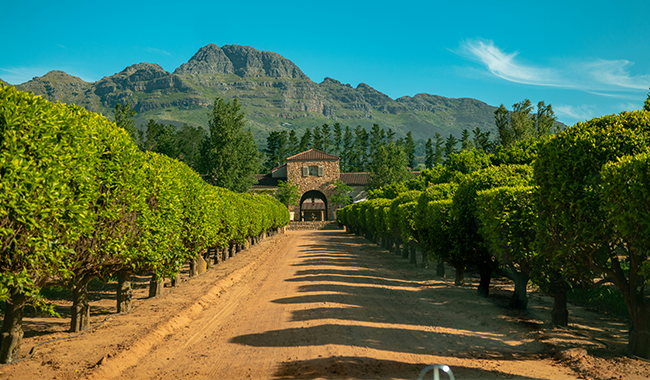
[[307, 305]]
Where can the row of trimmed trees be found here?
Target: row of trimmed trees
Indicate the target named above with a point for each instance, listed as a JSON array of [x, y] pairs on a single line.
[[79, 200], [564, 211]]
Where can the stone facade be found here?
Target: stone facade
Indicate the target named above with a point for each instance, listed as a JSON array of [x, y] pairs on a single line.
[[312, 181]]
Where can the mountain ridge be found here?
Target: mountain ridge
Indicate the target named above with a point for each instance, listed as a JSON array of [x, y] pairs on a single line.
[[273, 91]]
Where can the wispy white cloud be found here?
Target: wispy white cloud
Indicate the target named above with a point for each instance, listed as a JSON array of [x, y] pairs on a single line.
[[158, 51], [505, 65], [597, 76]]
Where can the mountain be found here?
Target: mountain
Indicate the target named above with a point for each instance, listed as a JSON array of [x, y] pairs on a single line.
[[274, 93]]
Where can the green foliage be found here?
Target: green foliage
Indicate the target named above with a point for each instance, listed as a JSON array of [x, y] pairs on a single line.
[[78, 199], [124, 119], [604, 299], [389, 165], [229, 156], [288, 194], [340, 196]]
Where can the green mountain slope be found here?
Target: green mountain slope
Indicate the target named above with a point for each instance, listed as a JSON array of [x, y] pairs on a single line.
[[275, 95]]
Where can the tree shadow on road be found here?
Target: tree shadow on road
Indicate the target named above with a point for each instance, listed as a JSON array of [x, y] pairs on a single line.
[[352, 367]]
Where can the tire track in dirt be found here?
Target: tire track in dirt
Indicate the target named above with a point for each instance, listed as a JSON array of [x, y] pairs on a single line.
[[225, 292]]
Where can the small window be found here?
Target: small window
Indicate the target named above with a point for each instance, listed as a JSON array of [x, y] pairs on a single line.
[[313, 171]]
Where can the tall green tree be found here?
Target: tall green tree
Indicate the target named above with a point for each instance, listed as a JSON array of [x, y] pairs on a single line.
[[646, 104], [348, 155], [338, 139], [317, 138], [294, 143], [429, 155], [465, 142], [502, 123], [327, 138], [450, 145], [389, 165], [305, 141], [544, 120], [409, 149], [229, 156], [361, 149], [276, 150], [188, 140], [482, 140], [438, 151], [124, 119]]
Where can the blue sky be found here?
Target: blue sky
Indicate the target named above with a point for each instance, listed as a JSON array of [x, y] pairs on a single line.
[[586, 58]]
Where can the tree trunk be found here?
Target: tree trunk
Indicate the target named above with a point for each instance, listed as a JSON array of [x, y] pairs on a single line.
[[193, 267], [405, 250], [238, 248], [124, 291], [425, 258], [12, 327], [231, 250], [155, 286], [413, 258], [639, 342], [440, 268], [398, 251], [560, 314], [460, 275], [485, 270], [174, 281], [80, 311], [519, 298]]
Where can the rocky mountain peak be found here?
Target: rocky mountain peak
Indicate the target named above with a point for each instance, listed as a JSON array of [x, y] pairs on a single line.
[[243, 61], [210, 59]]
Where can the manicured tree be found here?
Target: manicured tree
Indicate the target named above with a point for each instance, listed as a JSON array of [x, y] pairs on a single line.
[[406, 219], [119, 196], [507, 216], [45, 193], [426, 228], [468, 246], [625, 193], [288, 194], [393, 221], [575, 234]]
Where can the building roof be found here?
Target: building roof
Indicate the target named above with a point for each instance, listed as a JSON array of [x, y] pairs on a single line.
[[265, 180], [355, 179], [313, 155]]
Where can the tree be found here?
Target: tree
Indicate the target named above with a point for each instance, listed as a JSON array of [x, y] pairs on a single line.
[[124, 119], [338, 139], [305, 141], [340, 196], [502, 123], [229, 156], [361, 149], [544, 120], [276, 150], [409, 149], [428, 155], [576, 232], [389, 165], [327, 138], [288, 194], [646, 104], [317, 138], [348, 155], [438, 149], [450, 145], [294, 144], [188, 140], [465, 142], [482, 140]]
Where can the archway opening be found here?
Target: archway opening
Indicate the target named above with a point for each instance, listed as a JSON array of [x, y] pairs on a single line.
[[313, 206]]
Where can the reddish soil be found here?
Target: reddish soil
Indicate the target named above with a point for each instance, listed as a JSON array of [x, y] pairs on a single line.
[[308, 305]]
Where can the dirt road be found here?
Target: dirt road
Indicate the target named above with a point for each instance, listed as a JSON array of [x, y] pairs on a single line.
[[309, 305]]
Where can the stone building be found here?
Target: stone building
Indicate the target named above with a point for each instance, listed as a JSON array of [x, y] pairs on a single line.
[[315, 173]]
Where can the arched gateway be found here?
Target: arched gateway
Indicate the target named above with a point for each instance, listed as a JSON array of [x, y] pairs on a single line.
[[315, 173]]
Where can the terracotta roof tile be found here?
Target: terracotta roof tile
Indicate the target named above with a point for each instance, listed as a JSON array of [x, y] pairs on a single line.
[[313, 155], [355, 179], [265, 180]]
